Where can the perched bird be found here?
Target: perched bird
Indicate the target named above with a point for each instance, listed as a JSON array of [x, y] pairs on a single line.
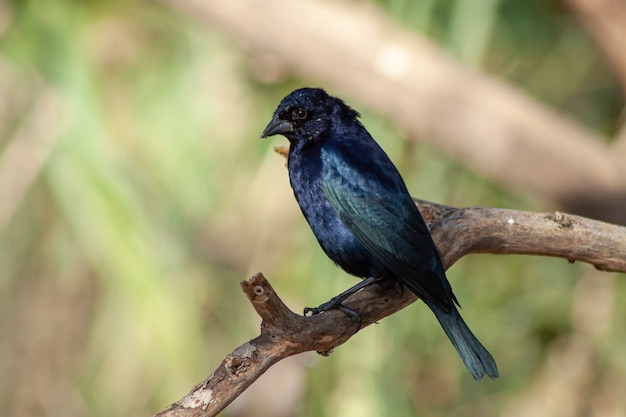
[[361, 212]]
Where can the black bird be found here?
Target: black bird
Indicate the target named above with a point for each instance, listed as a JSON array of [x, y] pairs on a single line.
[[361, 212]]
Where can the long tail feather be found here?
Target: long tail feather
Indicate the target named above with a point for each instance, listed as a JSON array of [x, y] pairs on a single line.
[[476, 358]]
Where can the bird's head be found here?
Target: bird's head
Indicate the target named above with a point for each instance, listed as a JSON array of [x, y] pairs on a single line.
[[306, 115]]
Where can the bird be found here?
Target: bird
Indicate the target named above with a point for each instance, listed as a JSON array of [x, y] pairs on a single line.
[[359, 209]]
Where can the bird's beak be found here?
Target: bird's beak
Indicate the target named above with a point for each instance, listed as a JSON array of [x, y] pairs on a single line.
[[277, 127]]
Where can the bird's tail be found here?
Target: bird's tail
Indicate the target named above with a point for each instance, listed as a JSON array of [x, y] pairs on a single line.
[[476, 358]]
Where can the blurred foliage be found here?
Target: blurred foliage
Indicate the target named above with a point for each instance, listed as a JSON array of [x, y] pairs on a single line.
[[120, 262]]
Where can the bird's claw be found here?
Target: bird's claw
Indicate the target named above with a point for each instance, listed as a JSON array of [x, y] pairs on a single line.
[[313, 310], [335, 305]]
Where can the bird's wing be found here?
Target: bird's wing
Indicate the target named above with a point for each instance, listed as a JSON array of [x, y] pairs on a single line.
[[389, 226]]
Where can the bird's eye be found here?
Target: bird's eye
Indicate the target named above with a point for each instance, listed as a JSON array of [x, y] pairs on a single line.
[[299, 114]]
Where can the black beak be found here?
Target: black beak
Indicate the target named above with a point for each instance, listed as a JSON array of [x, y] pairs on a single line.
[[277, 127]]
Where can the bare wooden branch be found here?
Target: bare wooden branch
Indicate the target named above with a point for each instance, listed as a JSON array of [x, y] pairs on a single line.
[[499, 231], [457, 232]]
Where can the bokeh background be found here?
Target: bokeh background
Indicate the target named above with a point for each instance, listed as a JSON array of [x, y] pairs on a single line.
[[135, 195]]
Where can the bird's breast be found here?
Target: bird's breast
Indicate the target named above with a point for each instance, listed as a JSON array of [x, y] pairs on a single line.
[[337, 241]]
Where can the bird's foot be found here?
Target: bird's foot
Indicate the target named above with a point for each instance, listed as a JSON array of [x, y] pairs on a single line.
[[335, 304]]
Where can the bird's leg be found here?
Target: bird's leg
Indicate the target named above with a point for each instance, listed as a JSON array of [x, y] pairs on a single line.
[[336, 302]]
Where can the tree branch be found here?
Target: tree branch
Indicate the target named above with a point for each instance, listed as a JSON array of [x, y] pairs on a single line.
[[457, 232]]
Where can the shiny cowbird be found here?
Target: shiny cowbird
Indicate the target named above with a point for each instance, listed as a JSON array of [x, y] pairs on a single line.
[[360, 211]]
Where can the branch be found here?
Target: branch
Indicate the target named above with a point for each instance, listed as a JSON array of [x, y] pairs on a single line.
[[456, 232]]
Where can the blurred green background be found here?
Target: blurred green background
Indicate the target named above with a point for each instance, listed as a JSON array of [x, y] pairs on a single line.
[[137, 195]]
